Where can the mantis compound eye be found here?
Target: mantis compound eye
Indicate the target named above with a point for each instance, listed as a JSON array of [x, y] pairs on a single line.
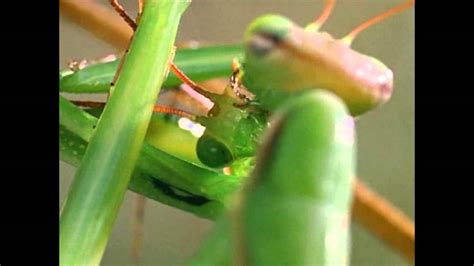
[[265, 33], [262, 44], [212, 152]]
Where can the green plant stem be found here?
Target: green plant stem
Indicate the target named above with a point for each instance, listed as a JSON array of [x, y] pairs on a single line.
[[154, 166], [199, 64], [104, 174], [76, 120], [159, 162], [146, 183]]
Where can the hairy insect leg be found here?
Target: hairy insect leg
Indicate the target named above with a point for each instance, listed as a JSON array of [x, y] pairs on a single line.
[[119, 69], [157, 108], [121, 11], [236, 86], [393, 11], [238, 101], [170, 110], [140, 10], [174, 68], [186, 80]]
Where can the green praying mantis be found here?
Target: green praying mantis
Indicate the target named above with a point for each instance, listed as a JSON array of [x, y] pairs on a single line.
[[306, 182]]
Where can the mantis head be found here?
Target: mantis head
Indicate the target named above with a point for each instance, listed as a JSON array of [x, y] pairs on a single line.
[[282, 58]]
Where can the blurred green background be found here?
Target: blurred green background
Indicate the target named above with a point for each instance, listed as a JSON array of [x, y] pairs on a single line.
[[385, 136]]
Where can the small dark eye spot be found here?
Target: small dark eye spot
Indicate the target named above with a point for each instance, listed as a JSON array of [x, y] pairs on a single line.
[[261, 44]]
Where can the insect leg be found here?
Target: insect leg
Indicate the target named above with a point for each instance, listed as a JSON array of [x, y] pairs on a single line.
[[236, 85], [157, 108], [185, 79], [295, 207], [173, 111], [119, 8], [174, 68], [121, 11], [140, 10]]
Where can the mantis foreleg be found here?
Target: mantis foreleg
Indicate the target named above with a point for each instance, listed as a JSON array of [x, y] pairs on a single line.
[[294, 210]]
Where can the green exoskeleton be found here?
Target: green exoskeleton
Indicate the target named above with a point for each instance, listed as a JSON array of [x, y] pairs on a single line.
[[294, 210], [286, 215], [303, 87], [310, 59], [282, 59]]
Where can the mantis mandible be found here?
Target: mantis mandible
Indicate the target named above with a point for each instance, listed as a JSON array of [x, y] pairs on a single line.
[[255, 66]]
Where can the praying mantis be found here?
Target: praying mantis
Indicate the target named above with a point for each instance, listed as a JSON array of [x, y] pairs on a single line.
[[247, 71]]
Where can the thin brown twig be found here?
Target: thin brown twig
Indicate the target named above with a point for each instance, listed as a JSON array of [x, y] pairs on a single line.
[[138, 223], [369, 208], [382, 218]]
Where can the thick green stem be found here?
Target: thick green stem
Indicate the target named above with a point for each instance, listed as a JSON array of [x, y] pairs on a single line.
[[76, 120], [103, 176], [158, 174], [199, 64], [150, 184]]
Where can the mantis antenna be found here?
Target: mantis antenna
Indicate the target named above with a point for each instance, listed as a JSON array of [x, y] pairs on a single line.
[[318, 23], [393, 11]]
